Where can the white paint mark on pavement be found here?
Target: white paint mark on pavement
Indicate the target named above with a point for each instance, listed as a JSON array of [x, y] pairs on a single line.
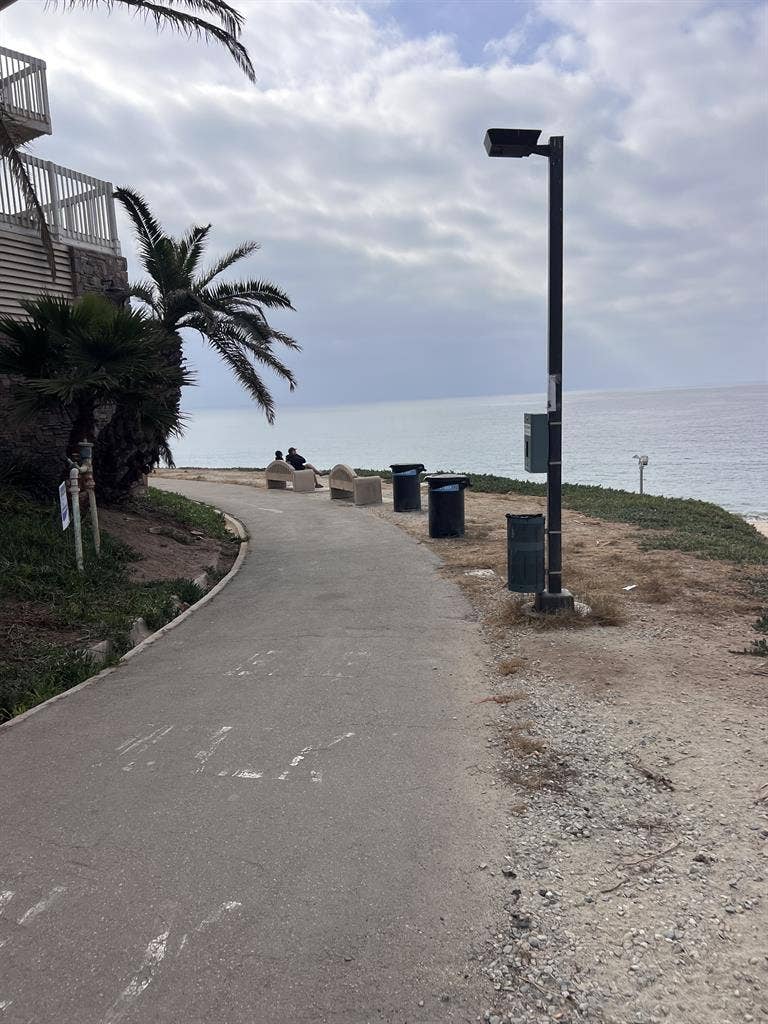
[[317, 775], [143, 741], [300, 756], [184, 939], [56, 893], [4, 1004], [5, 897], [246, 773], [277, 511], [217, 915], [203, 756], [153, 957], [307, 750]]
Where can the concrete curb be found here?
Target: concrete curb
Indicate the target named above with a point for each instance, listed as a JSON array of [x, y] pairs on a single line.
[[240, 530]]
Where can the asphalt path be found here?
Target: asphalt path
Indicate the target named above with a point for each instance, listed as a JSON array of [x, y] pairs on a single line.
[[272, 814]]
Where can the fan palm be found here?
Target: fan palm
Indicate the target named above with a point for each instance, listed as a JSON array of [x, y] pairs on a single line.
[[92, 360], [209, 20], [229, 315]]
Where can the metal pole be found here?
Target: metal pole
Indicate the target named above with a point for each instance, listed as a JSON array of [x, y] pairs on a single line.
[[641, 475], [555, 368], [74, 492]]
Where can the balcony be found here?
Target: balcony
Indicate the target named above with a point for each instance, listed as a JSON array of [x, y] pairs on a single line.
[[79, 210], [24, 95]]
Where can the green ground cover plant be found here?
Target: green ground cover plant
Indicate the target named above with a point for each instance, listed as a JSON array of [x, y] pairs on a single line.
[[50, 614]]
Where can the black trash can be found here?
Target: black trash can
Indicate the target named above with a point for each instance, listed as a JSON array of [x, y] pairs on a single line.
[[525, 553], [406, 486], [446, 504]]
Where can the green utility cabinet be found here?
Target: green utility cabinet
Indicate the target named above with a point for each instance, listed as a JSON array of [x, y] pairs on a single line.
[[536, 438]]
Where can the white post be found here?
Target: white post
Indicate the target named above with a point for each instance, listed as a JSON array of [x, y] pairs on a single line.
[[641, 475], [74, 493], [86, 455], [53, 191]]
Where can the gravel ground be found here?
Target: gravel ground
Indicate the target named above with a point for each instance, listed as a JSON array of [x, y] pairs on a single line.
[[636, 875]]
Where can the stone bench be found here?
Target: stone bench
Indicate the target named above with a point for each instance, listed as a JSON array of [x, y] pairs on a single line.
[[363, 490], [279, 474]]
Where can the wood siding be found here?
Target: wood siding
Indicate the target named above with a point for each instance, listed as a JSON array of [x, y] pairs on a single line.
[[24, 272]]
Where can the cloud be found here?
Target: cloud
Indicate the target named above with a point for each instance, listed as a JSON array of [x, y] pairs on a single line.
[[417, 265]]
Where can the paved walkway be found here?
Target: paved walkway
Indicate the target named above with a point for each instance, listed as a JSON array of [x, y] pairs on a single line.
[[269, 815]]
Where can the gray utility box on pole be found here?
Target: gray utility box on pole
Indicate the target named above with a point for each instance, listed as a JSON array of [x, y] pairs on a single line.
[[536, 442]]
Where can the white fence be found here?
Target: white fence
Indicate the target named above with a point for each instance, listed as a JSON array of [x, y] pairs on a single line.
[[79, 210], [24, 91]]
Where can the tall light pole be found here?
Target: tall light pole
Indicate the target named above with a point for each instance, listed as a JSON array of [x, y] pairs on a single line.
[[518, 142]]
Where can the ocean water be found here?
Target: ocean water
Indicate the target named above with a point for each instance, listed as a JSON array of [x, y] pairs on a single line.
[[708, 443]]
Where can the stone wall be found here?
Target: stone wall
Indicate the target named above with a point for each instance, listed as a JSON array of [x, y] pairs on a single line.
[[34, 451], [99, 273]]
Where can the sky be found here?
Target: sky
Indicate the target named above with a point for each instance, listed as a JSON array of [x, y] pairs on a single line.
[[417, 266]]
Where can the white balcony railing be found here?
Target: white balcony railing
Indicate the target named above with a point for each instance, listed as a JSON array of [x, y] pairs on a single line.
[[24, 94], [79, 210]]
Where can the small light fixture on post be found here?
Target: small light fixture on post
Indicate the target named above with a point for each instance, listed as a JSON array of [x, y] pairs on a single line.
[[642, 461], [518, 142]]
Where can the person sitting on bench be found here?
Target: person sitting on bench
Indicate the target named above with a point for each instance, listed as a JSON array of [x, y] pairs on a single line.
[[299, 462]]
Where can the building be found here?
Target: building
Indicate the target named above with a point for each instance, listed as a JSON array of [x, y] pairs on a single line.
[[80, 213], [79, 209]]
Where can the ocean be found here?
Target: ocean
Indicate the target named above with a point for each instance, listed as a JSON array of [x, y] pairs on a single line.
[[708, 443]]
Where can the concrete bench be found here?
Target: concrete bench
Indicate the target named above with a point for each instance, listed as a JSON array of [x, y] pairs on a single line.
[[363, 490], [279, 474]]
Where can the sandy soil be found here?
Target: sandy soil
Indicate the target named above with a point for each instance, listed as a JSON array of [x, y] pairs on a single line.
[[635, 759]]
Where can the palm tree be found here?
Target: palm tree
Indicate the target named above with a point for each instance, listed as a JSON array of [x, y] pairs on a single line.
[[229, 315], [225, 29], [92, 361]]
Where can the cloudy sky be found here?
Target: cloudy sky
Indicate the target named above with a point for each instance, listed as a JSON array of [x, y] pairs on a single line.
[[417, 266]]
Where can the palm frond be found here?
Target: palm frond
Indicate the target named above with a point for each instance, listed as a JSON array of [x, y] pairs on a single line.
[[265, 293], [144, 291], [10, 153], [166, 14], [191, 248], [226, 261], [152, 241]]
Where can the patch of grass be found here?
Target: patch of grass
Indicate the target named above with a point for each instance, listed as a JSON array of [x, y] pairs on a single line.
[[604, 610], [179, 509], [758, 648], [37, 569]]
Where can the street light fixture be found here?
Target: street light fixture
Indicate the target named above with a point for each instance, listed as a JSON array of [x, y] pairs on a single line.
[[518, 142]]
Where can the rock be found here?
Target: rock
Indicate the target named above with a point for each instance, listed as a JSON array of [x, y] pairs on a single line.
[[201, 581], [139, 632], [99, 653], [508, 871]]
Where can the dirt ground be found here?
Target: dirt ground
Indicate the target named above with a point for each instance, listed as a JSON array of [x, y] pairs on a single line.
[[634, 757], [166, 552]]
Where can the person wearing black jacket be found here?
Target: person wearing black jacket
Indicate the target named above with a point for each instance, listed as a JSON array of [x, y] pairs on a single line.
[[299, 462]]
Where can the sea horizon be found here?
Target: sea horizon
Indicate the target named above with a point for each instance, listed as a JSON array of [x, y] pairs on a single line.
[[708, 443]]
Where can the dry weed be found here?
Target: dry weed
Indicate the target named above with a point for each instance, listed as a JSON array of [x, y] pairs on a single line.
[[518, 742], [654, 591], [509, 666], [604, 610], [503, 698]]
